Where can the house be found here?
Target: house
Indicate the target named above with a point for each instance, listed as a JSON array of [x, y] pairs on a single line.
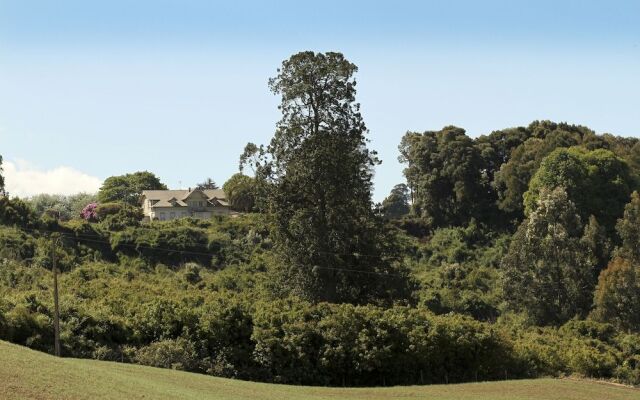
[[171, 204]]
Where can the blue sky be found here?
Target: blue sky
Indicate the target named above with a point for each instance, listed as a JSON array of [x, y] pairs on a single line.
[[90, 89]]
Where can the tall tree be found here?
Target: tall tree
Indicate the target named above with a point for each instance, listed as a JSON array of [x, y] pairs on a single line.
[[128, 188], [318, 172], [598, 183], [207, 184], [397, 203], [617, 296], [628, 228], [241, 192], [496, 148], [1, 178], [443, 170], [548, 268], [512, 180]]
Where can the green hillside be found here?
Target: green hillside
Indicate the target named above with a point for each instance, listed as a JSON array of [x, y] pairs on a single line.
[[27, 374]]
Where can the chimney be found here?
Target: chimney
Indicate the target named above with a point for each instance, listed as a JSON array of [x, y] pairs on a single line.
[[189, 189]]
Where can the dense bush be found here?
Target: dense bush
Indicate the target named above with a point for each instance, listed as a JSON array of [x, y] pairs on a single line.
[[456, 290]]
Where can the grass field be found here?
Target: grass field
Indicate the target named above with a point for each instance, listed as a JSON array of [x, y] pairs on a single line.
[[27, 374]]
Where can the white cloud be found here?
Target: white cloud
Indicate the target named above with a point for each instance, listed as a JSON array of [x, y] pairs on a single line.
[[24, 179]]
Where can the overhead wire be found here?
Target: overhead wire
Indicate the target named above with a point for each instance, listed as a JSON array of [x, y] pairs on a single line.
[[90, 238]]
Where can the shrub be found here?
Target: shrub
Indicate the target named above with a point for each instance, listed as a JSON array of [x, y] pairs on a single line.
[[15, 212], [16, 244], [177, 354]]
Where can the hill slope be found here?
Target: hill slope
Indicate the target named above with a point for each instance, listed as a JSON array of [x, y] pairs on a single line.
[[27, 374]]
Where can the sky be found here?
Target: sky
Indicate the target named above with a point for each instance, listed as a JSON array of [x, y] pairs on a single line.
[[91, 89]]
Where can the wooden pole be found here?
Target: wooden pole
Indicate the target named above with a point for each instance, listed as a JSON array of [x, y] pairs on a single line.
[[56, 313]]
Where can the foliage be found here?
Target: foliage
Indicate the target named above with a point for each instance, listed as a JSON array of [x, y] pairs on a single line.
[[177, 354], [207, 184], [396, 204], [617, 296], [89, 212], [2, 192], [548, 269], [16, 212], [628, 228], [443, 172], [241, 192], [15, 244], [117, 216], [349, 345], [60, 207], [512, 180], [483, 266], [128, 188], [598, 182], [116, 381], [318, 171]]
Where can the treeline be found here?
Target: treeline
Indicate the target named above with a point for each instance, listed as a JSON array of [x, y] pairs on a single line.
[[205, 322], [496, 178], [568, 193], [514, 254]]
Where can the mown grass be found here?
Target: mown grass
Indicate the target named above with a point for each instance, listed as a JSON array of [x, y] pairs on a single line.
[[27, 374]]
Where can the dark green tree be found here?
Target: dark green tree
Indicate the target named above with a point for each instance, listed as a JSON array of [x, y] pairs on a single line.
[[512, 180], [496, 148], [318, 172], [617, 296], [207, 184], [396, 204], [598, 183], [128, 188], [241, 192], [628, 228], [444, 173], [16, 212], [548, 268], [1, 178]]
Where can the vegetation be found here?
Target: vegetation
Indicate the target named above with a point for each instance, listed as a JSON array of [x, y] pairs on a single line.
[[128, 188], [1, 178], [241, 192], [511, 255], [60, 207], [207, 184], [317, 171], [89, 379]]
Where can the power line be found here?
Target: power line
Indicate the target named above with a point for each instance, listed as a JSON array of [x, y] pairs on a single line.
[[76, 235], [84, 238]]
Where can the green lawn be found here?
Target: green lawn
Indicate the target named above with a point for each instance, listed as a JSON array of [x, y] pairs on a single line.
[[27, 374]]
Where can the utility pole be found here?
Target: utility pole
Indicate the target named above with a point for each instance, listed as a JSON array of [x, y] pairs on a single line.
[[56, 312]]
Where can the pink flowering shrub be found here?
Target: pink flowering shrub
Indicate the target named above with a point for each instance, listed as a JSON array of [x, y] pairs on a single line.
[[89, 212]]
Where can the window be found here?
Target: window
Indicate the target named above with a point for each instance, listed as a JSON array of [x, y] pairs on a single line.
[[199, 204], [162, 215], [172, 215]]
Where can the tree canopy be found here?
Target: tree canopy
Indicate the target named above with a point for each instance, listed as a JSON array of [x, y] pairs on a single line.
[[60, 206], [397, 203], [241, 192], [628, 228], [617, 296], [597, 182], [319, 169], [207, 184], [1, 177], [443, 172], [548, 268], [128, 188]]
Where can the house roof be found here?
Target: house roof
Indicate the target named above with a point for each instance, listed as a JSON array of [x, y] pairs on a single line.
[[175, 198]]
